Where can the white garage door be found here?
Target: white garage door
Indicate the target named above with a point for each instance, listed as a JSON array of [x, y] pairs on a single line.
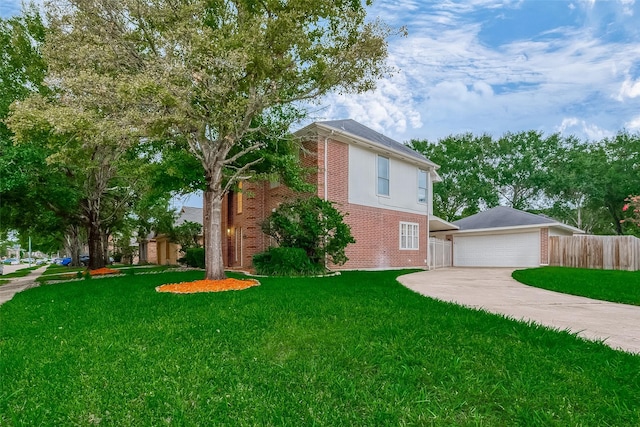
[[498, 250]]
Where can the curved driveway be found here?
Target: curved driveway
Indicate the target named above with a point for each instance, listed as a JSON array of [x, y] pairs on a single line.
[[493, 290]]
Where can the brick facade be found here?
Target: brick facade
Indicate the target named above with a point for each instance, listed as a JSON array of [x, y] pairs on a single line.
[[544, 246], [376, 230]]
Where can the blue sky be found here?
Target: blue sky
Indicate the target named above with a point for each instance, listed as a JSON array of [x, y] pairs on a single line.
[[496, 66]]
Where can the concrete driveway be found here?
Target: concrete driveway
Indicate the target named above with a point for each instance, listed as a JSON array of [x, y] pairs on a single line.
[[493, 290]]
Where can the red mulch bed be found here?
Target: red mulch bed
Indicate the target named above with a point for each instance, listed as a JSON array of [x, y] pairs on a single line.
[[208, 286]]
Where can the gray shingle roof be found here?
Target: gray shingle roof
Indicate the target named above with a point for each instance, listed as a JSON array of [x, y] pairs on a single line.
[[188, 213], [502, 216], [360, 130]]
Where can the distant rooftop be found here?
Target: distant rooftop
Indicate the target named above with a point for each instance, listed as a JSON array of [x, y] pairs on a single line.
[[190, 214], [502, 216]]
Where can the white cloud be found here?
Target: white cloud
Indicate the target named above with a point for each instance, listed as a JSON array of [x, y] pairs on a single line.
[[629, 89], [627, 7], [451, 81], [573, 125], [633, 124]]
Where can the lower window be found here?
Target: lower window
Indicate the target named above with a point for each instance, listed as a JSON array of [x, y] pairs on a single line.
[[409, 235]]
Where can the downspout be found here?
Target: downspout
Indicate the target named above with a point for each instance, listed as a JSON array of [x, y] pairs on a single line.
[[326, 158], [326, 182], [428, 229]]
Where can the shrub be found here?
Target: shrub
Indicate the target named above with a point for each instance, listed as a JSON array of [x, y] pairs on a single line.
[[285, 262], [312, 224], [194, 257]]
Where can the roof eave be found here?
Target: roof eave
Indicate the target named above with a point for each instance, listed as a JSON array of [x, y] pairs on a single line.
[[359, 140], [522, 227]]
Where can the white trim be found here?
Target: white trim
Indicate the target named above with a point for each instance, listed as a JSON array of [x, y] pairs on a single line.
[[411, 238], [518, 228]]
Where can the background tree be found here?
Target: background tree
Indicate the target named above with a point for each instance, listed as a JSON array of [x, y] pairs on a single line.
[[572, 183], [616, 169], [187, 235], [33, 197], [202, 71], [519, 169], [465, 188], [81, 120]]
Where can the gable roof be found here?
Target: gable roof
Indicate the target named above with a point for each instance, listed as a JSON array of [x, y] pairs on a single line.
[[359, 132], [505, 217], [188, 213]]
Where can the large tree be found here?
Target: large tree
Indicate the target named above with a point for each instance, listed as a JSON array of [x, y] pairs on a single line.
[[27, 185], [465, 188], [616, 168], [202, 71], [520, 167]]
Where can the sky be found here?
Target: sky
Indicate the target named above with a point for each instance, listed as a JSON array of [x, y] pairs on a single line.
[[496, 66]]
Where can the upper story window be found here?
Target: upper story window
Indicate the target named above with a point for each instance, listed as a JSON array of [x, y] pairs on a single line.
[[422, 186], [383, 176], [239, 200]]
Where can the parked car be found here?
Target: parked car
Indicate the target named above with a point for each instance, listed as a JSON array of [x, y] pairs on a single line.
[[84, 260], [11, 261], [28, 260], [65, 261]]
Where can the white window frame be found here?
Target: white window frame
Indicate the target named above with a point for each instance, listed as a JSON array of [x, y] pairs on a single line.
[[426, 187], [409, 236], [386, 178]]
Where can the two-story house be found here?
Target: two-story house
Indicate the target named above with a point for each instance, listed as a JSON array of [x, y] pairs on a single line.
[[383, 186]]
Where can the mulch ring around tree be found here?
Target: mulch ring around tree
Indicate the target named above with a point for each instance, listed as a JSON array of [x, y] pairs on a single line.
[[208, 286], [104, 271]]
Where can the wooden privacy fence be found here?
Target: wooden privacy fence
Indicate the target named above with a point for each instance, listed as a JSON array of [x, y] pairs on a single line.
[[603, 252]]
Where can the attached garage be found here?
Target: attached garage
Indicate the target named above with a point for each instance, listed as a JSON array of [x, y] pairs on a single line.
[[503, 237]]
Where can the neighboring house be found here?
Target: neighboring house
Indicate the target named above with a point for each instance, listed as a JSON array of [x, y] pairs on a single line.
[[504, 237], [383, 187], [161, 250]]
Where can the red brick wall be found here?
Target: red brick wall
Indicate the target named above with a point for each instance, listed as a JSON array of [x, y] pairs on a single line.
[[544, 246], [377, 234]]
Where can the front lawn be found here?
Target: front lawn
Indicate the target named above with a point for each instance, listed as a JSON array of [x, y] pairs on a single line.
[[63, 273], [355, 349], [606, 285]]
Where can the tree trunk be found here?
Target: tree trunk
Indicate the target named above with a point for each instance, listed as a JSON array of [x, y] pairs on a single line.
[[72, 244], [212, 228], [143, 247], [96, 250], [105, 246]]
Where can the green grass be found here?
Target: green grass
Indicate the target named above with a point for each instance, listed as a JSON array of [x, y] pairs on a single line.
[[357, 349], [62, 273], [606, 285]]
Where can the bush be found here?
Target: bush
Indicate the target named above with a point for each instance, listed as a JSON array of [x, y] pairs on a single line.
[[312, 224], [285, 262], [194, 257]]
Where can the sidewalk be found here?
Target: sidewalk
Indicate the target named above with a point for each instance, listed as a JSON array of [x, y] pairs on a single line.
[[19, 284]]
